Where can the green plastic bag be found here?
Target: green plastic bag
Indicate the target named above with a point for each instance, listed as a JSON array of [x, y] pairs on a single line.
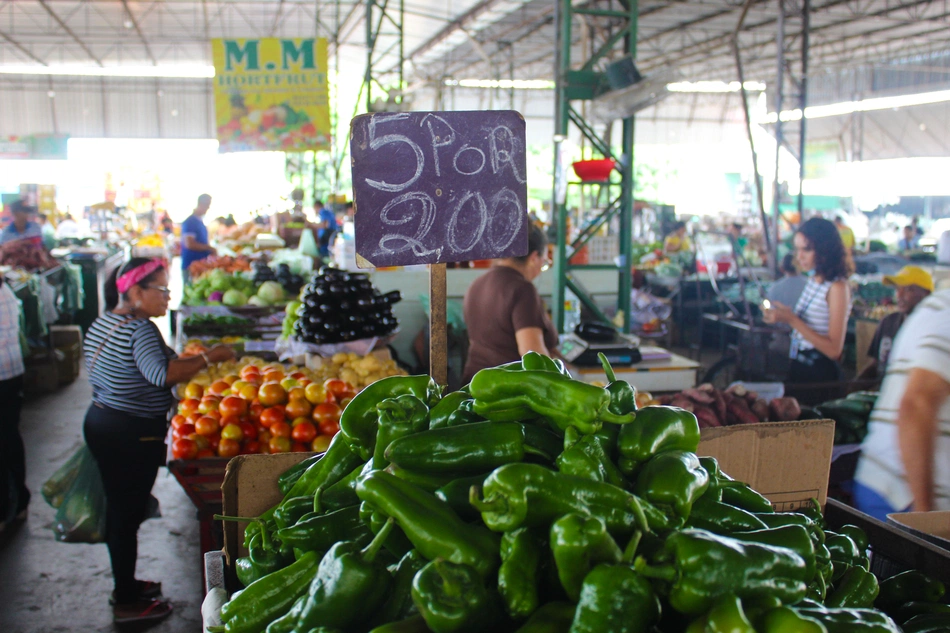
[[308, 245], [81, 517], [55, 488]]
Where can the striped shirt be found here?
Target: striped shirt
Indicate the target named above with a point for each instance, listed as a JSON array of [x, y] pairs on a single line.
[[11, 355], [129, 373], [922, 343], [812, 308]]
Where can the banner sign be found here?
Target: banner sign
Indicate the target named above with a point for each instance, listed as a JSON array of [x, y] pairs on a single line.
[[35, 147], [271, 94], [433, 187]]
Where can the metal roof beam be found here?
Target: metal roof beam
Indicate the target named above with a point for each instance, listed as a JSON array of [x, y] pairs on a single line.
[[138, 31], [20, 47], [71, 33]]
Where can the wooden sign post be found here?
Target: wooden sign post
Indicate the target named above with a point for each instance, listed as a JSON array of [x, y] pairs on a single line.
[[437, 187]]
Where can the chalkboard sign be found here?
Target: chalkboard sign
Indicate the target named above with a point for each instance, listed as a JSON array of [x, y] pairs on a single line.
[[433, 187]]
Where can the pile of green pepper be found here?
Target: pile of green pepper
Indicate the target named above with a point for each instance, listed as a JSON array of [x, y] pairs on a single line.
[[532, 502]]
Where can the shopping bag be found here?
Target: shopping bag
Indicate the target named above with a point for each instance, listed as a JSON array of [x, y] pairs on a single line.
[[54, 489], [81, 517]]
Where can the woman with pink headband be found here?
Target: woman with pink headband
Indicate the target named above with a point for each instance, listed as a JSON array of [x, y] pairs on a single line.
[[132, 371]]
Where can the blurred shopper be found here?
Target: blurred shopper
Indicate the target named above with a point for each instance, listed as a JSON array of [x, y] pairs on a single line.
[[327, 227], [910, 240], [789, 288], [23, 226], [504, 314], [14, 496], [132, 371], [819, 319], [914, 284], [194, 236], [677, 241], [847, 235], [905, 458], [68, 228]]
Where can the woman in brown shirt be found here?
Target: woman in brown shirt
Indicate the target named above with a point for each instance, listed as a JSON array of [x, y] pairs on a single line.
[[504, 314]]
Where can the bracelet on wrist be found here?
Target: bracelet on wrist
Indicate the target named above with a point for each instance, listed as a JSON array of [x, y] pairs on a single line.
[[206, 359]]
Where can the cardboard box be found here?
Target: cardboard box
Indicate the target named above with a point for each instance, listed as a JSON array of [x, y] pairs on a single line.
[[249, 489], [41, 374], [65, 335], [788, 462], [933, 527]]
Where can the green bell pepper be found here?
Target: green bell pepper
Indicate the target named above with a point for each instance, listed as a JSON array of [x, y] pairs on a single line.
[[742, 496], [468, 449], [286, 622], [656, 429], [701, 568], [342, 494], [715, 516], [844, 553], [349, 586], [358, 422], [857, 535], [553, 617], [578, 543], [464, 414], [430, 482], [615, 598], [320, 531], [430, 524], [781, 519], [439, 414], [290, 511], [289, 477], [518, 575], [584, 456], [787, 620], [927, 623], [857, 589], [452, 598], [726, 615], [261, 561], [264, 600], [456, 494], [533, 361], [794, 537], [852, 620], [515, 396], [711, 466], [397, 543], [530, 495], [672, 480], [401, 416], [623, 397], [398, 605], [412, 624], [908, 586], [337, 463], [916, 607]]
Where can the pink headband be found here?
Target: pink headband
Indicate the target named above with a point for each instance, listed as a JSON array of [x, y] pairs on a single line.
[[137, 274]]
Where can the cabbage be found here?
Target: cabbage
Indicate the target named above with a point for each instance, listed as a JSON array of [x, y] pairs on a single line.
[[256, 301], [271, 292], [234, 298], [217, 295]]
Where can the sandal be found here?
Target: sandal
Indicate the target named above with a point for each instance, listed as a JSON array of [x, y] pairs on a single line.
[[146, 589], [144, 610]]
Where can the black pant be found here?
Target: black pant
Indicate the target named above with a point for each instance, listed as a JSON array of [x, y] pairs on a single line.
[[14, 496], [813, 366], [128, 450]]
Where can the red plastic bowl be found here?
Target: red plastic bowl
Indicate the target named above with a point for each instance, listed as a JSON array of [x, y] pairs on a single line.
[[594, 170]]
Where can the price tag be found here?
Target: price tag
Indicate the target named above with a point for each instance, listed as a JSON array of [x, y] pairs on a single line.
[[436, 187]]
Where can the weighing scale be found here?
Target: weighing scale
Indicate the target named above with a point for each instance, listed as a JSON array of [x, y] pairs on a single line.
[[622, 350]]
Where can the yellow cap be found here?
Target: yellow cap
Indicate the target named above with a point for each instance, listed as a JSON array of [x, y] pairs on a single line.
[[911, 276]]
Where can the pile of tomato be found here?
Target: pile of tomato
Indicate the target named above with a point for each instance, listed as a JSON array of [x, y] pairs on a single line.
[[261, 410]]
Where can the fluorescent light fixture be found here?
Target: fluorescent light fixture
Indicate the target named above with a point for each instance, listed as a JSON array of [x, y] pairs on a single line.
[[713, 87], [517, 84], [177, 71], [865, 105]]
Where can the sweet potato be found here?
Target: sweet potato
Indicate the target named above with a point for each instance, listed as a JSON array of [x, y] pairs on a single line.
[[699, 397], [784, 409], [719, 406], [706, 417], [741, 412], [681, 401], [738, 390], [760, 408], [664, 399]]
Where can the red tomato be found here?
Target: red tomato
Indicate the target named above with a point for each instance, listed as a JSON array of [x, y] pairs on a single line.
[[214, 441], [184, 430], [299, 408], [229, 448], [345, 401], [249, 429], [233, 405], [335, 386], [232, 432], [272, 415], [321, 443], [206, 453], [279, 445], [297, 447], [214, 414], [208, 403], [250, 447], [188, 407], [183, 448], [304, 432], [326, 411], [280, 429], [329, 427], [207, 425], [264, 436], [255, 410], [178, 420]]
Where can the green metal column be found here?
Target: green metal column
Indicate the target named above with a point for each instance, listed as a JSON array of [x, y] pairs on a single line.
[[561, 120], [625, 283]]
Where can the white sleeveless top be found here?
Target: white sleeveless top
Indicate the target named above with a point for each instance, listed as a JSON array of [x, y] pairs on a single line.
[[812, 308]]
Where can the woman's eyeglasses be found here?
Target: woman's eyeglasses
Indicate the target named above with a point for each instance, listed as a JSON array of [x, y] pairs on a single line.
[[162, 289]]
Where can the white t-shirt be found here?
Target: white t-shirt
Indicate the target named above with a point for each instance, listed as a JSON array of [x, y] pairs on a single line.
[[943, 248], [67, 228], [922, 343]]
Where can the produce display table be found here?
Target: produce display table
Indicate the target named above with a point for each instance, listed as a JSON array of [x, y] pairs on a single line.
[[674, 373], [201, 480]]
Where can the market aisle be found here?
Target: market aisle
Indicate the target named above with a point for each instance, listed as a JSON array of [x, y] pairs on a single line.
[[47, 586]]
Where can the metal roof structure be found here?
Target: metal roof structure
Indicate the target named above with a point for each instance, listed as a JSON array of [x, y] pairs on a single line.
[[486, 39]]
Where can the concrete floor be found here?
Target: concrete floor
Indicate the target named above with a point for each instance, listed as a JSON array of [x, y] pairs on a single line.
[[46, 586]]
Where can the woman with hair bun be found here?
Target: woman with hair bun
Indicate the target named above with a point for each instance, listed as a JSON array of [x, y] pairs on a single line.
[[132, 371], [819, 319]]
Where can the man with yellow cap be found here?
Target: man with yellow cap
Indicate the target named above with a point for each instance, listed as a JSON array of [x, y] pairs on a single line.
[[914, 284]]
